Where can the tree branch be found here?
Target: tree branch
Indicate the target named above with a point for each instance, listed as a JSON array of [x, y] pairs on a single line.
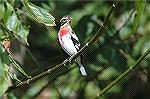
[[124, 74], [97, 35], [72, 58]]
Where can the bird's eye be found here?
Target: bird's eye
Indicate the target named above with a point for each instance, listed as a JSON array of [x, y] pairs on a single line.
[[63, 20]]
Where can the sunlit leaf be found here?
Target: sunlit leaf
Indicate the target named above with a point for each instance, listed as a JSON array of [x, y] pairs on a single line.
[[39, 14]]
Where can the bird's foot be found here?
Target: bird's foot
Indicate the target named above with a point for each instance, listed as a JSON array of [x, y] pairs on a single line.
[[65, 61]]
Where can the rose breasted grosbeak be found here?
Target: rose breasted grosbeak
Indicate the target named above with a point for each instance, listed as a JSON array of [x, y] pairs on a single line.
[[69, 41]]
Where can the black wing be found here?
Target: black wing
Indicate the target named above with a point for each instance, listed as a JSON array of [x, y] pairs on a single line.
[[75, 41], [76, 44]]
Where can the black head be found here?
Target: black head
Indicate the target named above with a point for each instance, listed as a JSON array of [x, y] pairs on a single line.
[[65, 20]]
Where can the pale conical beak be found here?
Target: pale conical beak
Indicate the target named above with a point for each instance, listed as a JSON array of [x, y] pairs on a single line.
[[70, 18]]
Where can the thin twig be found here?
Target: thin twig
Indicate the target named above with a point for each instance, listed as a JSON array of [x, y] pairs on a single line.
[[97, 35], [72, 58], [123, 75], [111, 37]]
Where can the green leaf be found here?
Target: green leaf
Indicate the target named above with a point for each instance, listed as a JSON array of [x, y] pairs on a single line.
[[15, 25], [2, 10], [140, 6], [146, 47], [125, 33], [115, 89], [23, 32], [10, 95], [11, 2], [130, 59], [34, 89], [12, 22], [142, 45], [18, 67], [39, 14], [3, 74], [108, 73], [91, 90], [8, 12]]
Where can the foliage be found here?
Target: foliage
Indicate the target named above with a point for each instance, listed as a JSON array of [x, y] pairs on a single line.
[[3, 72], [39, 14], [34, 48]]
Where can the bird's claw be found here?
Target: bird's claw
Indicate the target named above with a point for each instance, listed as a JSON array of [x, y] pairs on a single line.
[[29, 77], [28, 81], [65, 61], [49, 71], [70, 60], [87, 44]]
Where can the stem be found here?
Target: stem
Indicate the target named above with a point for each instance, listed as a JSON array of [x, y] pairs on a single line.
[[72, 58], [124, 74], [29, 81], [96, 36], [102, 28], [18, 67], [18, 39]]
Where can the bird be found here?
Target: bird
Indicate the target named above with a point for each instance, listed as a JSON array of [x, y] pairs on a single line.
[[69, 41]]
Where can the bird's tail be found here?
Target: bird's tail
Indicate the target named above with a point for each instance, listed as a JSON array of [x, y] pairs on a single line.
[[82, 69], [83, 72]]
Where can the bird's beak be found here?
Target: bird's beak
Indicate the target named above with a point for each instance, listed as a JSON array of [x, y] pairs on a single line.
[[70, 18]]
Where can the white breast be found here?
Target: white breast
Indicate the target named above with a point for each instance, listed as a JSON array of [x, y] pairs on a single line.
[[68, 45]]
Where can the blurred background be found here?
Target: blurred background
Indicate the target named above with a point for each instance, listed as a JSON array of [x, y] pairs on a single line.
[[128, 29]]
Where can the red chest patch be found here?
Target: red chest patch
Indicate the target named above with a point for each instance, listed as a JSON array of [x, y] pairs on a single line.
[[63, 31]]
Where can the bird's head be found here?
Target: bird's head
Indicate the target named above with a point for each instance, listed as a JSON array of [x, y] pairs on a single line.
[[65, 20]]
